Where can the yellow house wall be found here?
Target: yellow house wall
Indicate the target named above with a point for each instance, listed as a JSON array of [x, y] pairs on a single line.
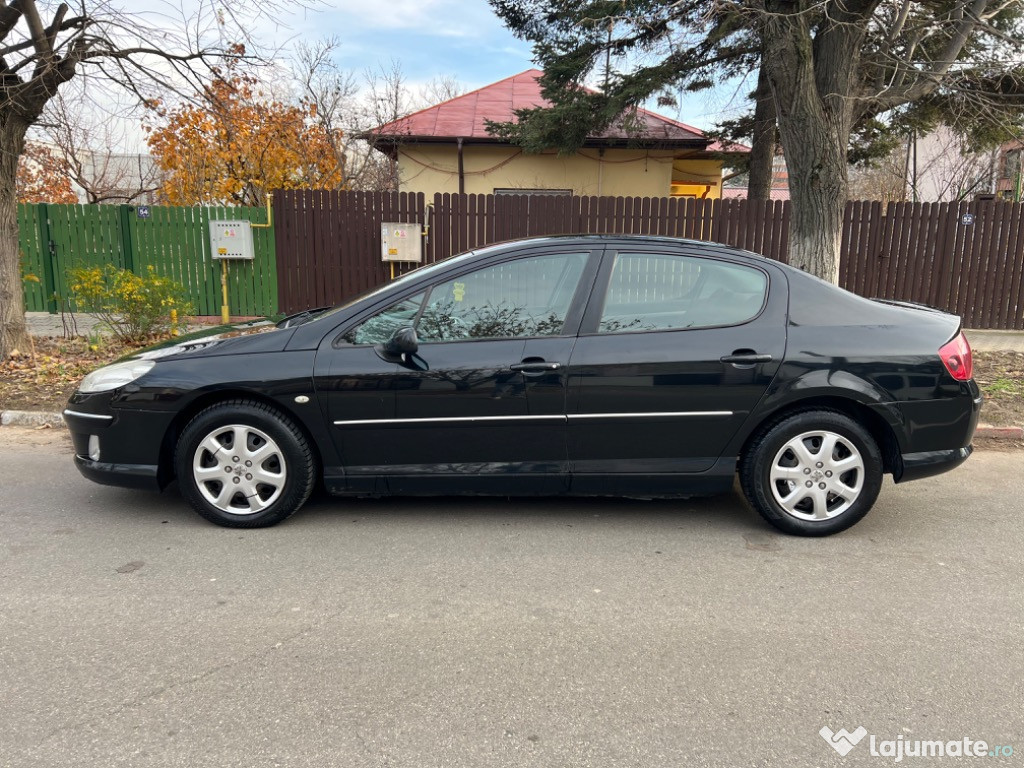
[[626, 172], [704, 171]]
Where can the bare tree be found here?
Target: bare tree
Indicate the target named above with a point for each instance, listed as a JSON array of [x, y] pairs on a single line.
[[884, 180], [94, 146], [388, 99], [440, 88], [391, 98], [350, 112], [147, 54], [347, 112], [944, 167]]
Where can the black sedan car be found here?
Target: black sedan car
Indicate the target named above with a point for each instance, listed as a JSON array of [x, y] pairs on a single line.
[[599, 365]]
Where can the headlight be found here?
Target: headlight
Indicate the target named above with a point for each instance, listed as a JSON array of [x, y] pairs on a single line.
[[116, 375]]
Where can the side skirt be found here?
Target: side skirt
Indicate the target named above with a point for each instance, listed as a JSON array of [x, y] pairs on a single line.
[[718, 479]]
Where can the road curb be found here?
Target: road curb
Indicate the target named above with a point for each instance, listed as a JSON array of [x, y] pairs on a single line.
[[54, 419], [1000, 433], [31, 419]]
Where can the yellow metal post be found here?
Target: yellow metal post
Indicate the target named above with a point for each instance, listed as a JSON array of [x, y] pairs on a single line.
[[392, 269], [270, 216], [225, 316]]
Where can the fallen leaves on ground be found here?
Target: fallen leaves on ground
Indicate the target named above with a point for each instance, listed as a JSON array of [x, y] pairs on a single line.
[[42, 379]]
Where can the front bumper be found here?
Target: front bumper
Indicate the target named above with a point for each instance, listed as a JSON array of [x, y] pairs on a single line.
[[145, 476], [130, 442]]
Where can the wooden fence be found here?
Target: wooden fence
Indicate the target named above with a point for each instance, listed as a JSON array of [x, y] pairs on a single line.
[[966, 258], [175, 241]]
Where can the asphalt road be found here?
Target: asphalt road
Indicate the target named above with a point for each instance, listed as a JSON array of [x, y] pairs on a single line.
[[473, 632]]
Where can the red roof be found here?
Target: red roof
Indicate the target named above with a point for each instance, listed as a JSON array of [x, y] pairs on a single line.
[[464, 116]]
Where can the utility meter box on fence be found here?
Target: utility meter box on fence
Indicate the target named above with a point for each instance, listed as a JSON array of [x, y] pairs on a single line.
[[401, 242], [231, 240]]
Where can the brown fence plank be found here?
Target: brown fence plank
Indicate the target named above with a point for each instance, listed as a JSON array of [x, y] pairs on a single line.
[[1012, 306], [981, 236], [902, 281], [923, 264], [1000, 261], [990, 272]]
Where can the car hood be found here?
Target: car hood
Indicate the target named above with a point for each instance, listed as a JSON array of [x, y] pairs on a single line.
[[261, 335]]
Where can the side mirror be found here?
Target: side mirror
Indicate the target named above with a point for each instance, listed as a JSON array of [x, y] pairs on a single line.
[[403, 342]]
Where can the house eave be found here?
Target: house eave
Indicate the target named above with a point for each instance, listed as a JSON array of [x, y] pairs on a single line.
[[388, 144]]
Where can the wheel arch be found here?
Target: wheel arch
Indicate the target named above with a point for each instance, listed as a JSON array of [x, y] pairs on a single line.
[[877, 425], [165, 471]]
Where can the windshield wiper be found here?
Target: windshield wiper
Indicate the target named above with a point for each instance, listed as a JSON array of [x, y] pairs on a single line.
[[301, 317]]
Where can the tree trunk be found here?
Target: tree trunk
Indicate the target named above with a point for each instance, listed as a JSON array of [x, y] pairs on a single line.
[[812, 81], [762, 151], [818, 191], [13, 333]]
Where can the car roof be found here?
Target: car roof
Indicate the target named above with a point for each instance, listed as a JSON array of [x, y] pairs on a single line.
[[611, 239], [605, 237]]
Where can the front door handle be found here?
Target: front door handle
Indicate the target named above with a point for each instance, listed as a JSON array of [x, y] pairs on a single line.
[[746, 358], [535, 366]]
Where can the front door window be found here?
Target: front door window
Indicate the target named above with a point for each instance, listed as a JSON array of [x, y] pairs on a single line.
[[526, 298]]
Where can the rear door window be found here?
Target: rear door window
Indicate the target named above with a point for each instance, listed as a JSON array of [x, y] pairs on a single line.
[[650, 292]]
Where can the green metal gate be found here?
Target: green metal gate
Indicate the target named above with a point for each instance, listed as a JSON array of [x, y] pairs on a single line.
[[174, 241]]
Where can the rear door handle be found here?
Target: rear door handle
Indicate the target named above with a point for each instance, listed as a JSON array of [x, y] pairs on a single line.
[[746, 358], [537, 366]]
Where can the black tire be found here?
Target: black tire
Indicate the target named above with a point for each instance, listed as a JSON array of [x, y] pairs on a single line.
[[279, 450], [820, 505]]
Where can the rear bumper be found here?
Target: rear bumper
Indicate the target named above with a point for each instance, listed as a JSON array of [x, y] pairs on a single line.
[[928, 463], [934, 425]]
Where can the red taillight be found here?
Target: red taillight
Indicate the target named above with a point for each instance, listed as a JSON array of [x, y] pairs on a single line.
[[956, 356]]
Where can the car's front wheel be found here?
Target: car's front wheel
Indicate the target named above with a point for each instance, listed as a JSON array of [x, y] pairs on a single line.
[[243, 464], [812, 473]]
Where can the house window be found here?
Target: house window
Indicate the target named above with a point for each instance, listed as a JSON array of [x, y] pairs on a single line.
[[511, 191]]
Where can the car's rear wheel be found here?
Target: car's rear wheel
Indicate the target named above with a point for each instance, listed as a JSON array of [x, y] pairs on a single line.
[[812, 473], [243, 464]]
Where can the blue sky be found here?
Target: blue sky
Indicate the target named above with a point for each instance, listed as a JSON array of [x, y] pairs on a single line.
[[459, 38], [429, 37]]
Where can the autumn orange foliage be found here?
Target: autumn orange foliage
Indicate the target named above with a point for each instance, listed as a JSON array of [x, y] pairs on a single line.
[[237, 144], [43, 176]]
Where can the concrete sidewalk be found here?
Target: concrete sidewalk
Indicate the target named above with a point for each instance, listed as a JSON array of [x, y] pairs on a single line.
[[45, 324], [995, 341]]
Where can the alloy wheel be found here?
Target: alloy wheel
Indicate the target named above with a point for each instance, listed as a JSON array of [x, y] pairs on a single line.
[[239, 469], [817, 475]]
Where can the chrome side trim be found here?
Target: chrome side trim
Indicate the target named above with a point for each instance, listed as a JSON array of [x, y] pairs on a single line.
[[436, 420], [79, 414], [450, 418], [648, 415]]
